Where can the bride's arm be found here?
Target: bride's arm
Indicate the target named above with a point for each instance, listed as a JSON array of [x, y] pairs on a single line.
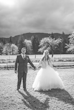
[[40, 64]]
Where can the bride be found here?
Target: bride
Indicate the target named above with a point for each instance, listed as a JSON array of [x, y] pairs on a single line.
[[47, 78]]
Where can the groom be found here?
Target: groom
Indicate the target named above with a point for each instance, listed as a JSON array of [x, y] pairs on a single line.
[[21, 65]]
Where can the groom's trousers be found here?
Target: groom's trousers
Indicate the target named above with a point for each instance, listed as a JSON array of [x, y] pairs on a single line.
[[20, 77]]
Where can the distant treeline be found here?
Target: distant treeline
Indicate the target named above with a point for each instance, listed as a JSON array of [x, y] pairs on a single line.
[[61, 49]]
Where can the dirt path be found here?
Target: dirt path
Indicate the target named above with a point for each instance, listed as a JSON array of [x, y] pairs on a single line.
[[11, 99]]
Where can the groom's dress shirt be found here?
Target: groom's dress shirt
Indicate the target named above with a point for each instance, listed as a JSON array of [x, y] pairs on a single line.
[[23, 55]]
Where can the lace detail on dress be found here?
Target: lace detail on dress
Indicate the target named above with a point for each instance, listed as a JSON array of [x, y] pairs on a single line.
[[44, 63]]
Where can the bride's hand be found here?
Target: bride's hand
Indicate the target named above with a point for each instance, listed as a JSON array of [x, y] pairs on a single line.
[[38, 67]]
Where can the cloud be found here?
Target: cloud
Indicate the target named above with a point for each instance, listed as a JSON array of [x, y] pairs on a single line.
[[37, 16]]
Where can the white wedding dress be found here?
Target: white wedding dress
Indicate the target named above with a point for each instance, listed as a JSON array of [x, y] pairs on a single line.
[[47, 78]]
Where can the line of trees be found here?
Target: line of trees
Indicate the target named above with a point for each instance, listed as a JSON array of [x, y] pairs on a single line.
[[36, 46]]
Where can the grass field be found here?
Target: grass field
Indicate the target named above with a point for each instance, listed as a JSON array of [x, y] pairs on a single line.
[[11, 99]]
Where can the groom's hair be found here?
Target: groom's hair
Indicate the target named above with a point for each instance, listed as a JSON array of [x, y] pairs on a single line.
[[23, 47]]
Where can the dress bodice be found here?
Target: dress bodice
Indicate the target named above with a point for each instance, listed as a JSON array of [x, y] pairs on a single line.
[[44, 64]]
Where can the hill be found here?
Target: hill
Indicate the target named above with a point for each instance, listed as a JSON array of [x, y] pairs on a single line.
[[39, 35]]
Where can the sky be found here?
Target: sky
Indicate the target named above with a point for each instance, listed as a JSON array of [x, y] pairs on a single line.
[[47, 16]]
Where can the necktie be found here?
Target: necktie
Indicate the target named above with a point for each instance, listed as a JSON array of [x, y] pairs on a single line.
[[23, 56]]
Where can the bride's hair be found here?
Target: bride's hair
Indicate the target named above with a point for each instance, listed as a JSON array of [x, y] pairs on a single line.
[[45, 56]]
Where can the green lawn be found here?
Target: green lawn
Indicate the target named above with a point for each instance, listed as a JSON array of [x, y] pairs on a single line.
[[11, 99]]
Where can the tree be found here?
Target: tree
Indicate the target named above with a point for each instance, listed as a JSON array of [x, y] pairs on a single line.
[[49, 43], [10, 40], [70, 46], [14, 49], [10, 49], [21, 43], [1, 48], [28, 46], [3, 41], [64, 41], [35, 44], [52, 35], [7, 49]]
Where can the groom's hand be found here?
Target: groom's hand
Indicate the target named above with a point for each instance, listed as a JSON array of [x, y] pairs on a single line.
[[34, 68]]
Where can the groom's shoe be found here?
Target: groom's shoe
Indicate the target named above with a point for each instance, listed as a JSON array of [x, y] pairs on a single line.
[[17, 89], [24, 89]]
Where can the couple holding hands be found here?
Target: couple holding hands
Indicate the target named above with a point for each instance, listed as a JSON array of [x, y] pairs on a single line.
[[46, 79]]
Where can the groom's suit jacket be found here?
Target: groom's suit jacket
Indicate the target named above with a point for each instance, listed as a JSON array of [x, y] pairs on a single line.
[[22, 63]]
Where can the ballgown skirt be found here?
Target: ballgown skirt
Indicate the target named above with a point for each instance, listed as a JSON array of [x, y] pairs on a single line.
[[47, 79]]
